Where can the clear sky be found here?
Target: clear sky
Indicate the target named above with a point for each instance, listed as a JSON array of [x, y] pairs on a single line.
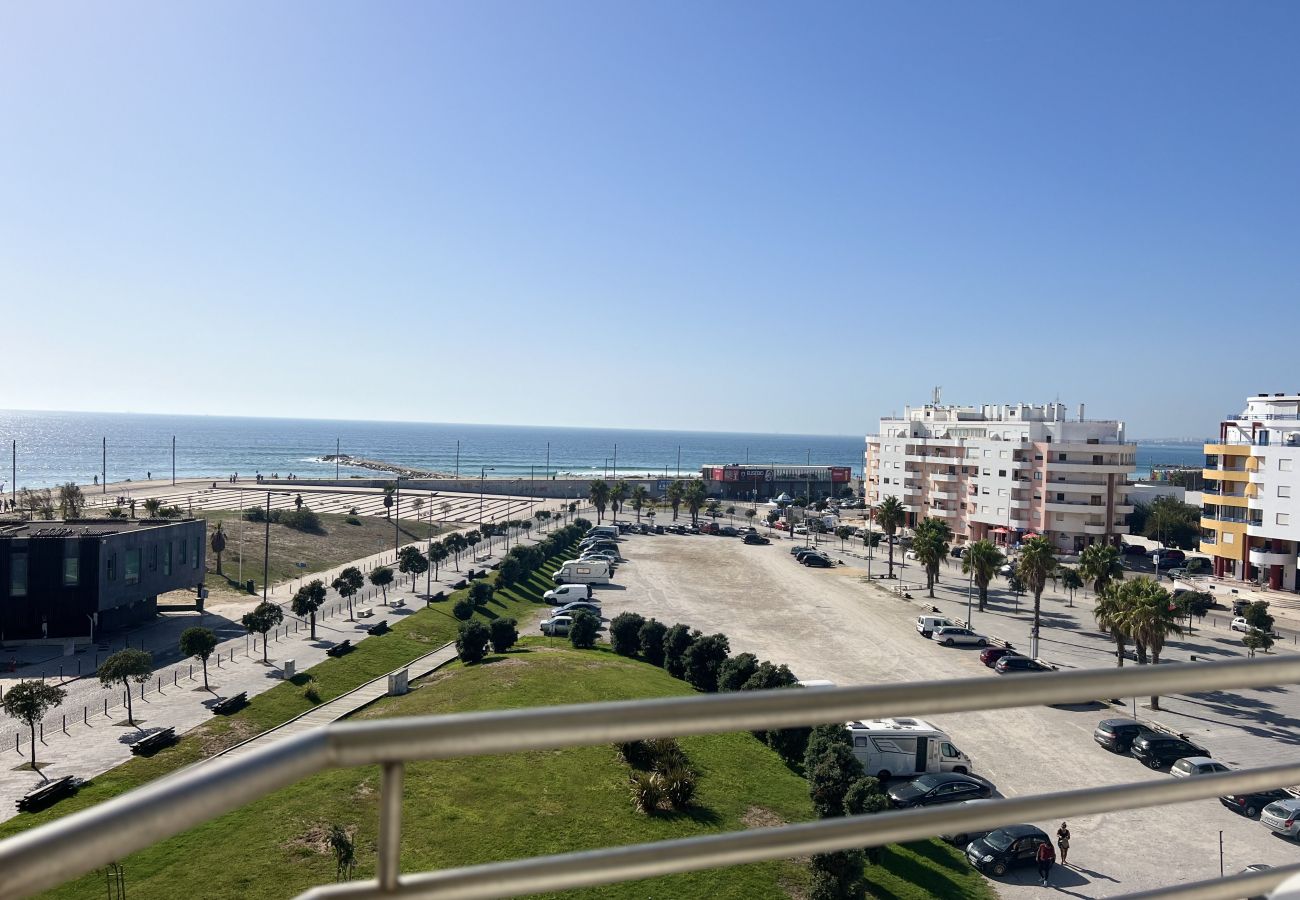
[[728, 215]]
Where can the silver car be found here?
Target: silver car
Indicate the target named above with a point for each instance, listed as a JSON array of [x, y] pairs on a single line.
[[1282, 817], [557, 626], [951, 635]]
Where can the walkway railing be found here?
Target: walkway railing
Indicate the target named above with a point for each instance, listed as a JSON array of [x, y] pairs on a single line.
[[47, 856]]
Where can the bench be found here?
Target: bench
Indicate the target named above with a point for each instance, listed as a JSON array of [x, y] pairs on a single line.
[[152, 743], [341, 648], [365, 613], [460, 585], [435, 598], [380, 627], [482, 559], [48, 794], [399, 603], [227, 705]]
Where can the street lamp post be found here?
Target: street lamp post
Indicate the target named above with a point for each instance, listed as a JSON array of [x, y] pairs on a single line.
[[970, 583], [482, 476]]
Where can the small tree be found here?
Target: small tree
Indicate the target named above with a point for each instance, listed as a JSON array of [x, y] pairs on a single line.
[[736, 670], [480, 593], [831, 769], [652, 635], [838, 876], [625, 633], [124, 667], [350, 581], [152, 506], [472, 642], [437, 555], [1256, 640], [410, 561], [1258, 617], [676, 641], [345, 853], [265, 616], [388, 500], [702, 659], [843, 532], [199, 643], [510, 571], [29, 701], [1071, 580], [71, 501], [218, 543], [463, 609], [382, 577], [583, 631], [310, 597], [503, 633]]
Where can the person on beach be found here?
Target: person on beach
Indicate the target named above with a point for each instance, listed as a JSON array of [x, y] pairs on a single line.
[[1063, 842], [1045, 857]]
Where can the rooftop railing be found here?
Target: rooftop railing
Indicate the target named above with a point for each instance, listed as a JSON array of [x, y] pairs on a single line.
[[47, 856]]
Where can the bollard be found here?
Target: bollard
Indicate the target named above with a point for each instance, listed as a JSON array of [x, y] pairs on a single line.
[[105, 706], [42, 732], [60, 673], [78, 668], [65, 723], [191, 671], [85, 715], [160, 684]]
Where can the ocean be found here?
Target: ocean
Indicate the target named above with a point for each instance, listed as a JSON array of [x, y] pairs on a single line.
[[54, 447]]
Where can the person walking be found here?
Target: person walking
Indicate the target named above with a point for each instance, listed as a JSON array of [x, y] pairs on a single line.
[[1063, 842], [1045, 857]]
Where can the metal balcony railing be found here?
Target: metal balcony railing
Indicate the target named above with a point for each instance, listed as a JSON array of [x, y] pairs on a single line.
[[54, 853]]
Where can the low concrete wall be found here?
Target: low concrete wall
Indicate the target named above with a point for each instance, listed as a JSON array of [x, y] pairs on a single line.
[[555, 489]]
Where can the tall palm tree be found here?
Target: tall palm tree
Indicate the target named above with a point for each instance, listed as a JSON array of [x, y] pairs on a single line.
[[640, 497], [676, 491], [219, 545], [1036, 564], [598, 494], [1149, 618], [982, 561], [931, 544], [1109, 613], [890, 514], [695, 496], [1100, 564], [617, 494]]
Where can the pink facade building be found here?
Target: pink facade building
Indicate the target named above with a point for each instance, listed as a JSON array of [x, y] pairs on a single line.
[[1004, 473]]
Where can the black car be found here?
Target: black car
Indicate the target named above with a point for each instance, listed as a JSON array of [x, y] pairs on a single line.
[[807, 551], [1014, 663], [936, 788], [1157, 751], [1134, 550], [1117, 735], [1249, 805], [816, 561], [1006, 848], [753, 538], [728, 531]]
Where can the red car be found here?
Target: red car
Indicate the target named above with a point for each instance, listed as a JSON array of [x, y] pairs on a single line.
[[990, 655]]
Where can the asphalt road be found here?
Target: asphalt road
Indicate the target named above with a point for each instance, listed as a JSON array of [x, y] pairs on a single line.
[[832, 624]]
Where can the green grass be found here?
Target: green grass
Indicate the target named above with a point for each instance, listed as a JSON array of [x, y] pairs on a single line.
[[922, 870], [340, 543]]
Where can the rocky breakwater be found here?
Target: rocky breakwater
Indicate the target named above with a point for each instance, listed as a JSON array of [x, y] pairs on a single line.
[[378, 465]]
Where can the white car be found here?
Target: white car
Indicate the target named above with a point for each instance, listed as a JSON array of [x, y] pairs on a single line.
[[1239, 624], [1196, 765], [557, 626], [952, 635], [801, 529]]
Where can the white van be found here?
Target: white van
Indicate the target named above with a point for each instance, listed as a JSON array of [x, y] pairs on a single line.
[[578, 571], [892, 748], [927, 624], [567, 593]]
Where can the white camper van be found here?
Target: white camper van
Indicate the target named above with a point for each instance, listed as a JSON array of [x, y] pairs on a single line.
[[579, 571], [890, 748]]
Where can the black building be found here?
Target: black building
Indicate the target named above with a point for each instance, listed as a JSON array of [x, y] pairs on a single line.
[[69, 580]]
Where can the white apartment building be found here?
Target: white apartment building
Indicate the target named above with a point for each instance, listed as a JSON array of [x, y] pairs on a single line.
[[1251, 514], [1004, 473]]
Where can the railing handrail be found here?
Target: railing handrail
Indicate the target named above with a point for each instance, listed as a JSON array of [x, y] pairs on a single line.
[[38, 859]]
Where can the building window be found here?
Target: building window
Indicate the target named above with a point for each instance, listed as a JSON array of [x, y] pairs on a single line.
[[1284, 518], [1060, 498], [1227, 537], [18, 575], [1002, 473], [167, 557], [112, 567], [1284, 465], [131, 569], [71, 563], [1038, 476], [1060, 457], [1284, 490], [1002, 454]]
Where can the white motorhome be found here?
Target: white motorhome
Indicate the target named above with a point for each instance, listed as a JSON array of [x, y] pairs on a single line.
[[890, 748], [579, 571]]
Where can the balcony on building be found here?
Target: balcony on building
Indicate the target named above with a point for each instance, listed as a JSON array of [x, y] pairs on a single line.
[[1273, 553]]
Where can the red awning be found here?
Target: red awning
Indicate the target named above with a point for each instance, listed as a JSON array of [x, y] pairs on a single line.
[[999, 530], [1031, 534]]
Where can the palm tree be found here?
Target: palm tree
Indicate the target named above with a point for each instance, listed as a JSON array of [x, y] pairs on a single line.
[[1035, 566], [1100, 564], [695, 498], [676, 491], [640, 497], [930, 546], [1109, 613], [1149, 618], [152, 506], [890, 514], [71, 500], [982, 561], [598, 494], [1071, 580], [617, 494], [388, 501], [218, 545]]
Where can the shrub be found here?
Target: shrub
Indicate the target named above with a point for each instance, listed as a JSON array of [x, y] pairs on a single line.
[[352, 520], [647, 792], [472, 642], [838, 876], [652, 641], [863, 796], [463, 609], [702, 659], [480, 592], [831, 772], [769, 675], [255, 514], [676, 641], [791, 744], [665, 753], [503, 634], [582, 633], [625, 633], [736, 670], [310, 692], [679, 786], [824, 735], [510, 572], [353, 512], [635, 753]]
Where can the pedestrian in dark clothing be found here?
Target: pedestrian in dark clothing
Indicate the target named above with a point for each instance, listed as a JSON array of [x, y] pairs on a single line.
[[1063, 841], [1045, 856]]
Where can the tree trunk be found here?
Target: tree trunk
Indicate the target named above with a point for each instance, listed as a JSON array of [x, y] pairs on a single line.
[[130, 716], [313, 624], [1141, 652], [219, 572], [204, 660], [984, 595], [891, 559], [1155, 660], [32, 726], [1119, 649], [266, 636]]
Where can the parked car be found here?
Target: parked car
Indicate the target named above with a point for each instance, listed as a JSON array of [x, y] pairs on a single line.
[[755, 538], [936, 788], [1014, 663], [1006, 848], [799, 548], [927, 625], [728, 531], [1282, 817], [990, 655], [570, 609], [962, 838], [1169, 559], [801, 529], [557, 626], [1157, 750], [1196, 765], [1006, 569], [709, 528], [1134, 550], [1117, 735], [951, 635], [816, 561], [1249, 805], [567, 593], [957, 552], [1240, 624]]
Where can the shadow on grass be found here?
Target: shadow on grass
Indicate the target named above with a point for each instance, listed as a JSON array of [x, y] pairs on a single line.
[[908, 865], [700, 815]]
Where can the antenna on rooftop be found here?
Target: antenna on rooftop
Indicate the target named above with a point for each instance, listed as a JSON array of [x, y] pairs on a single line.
[[938, 392]]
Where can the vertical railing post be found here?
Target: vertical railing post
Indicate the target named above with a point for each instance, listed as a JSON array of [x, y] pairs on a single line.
[[390, 825]]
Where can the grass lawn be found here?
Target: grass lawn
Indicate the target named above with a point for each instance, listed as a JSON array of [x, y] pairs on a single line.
[[340, 543]]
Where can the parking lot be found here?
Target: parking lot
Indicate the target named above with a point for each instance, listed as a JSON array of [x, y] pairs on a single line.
[[833, 624]]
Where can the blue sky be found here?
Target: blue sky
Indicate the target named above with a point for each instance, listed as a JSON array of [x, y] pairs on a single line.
[[732, 216]]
